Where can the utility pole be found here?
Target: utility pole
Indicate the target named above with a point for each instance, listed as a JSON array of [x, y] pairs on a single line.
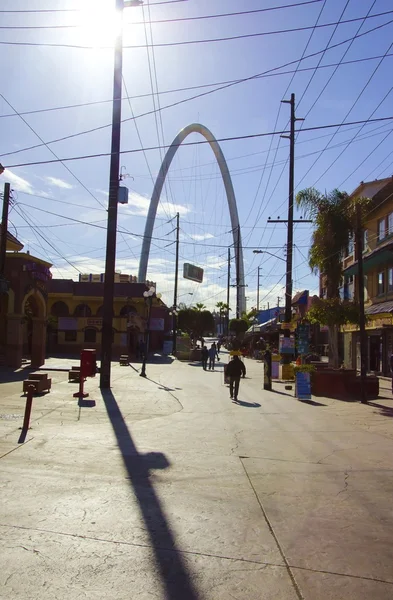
[[175, 290], [238, 274], [4, 231], [362, 319], [110, 261], [288, 284], [258, 290], [228, 287]]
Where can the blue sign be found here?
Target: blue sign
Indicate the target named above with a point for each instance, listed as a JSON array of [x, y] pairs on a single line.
[[303, 336], [303, 386]]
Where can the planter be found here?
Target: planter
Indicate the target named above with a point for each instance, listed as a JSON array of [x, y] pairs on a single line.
[[342, 384], [183, 355], [196, 355]]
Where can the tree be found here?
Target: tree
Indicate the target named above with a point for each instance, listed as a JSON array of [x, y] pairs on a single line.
[[223, 310], [333, 217], [238, 326], [195, 321], [199, 307]]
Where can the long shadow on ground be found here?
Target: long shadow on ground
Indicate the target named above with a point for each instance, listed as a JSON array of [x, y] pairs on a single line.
[[175, 577]]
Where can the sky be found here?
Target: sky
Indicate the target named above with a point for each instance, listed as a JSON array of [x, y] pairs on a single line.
[[57, 82]]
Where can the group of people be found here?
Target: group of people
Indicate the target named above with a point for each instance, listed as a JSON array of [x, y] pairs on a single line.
[[234, 370], [209, 354]]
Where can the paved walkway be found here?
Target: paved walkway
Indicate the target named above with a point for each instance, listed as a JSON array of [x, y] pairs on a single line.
[[163, 488]]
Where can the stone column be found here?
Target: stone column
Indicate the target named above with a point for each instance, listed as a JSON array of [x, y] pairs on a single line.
[[14, 346], [38, 344]]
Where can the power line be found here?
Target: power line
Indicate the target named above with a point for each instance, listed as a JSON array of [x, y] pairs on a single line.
[[199, 142], [200, 41], [67, 10], [192, 87], [51, 151], [237, 82], [175, 20]]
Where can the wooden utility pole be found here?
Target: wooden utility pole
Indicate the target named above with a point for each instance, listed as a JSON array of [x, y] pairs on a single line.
[[238, 274], [4, 229], [362, 318], [174, 343], [228, 288]]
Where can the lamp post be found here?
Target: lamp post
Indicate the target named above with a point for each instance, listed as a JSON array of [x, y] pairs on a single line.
[[110, 259], [270, 253], [148, 296]]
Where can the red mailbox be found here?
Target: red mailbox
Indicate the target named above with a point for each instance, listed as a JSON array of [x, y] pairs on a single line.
[[88, 363]]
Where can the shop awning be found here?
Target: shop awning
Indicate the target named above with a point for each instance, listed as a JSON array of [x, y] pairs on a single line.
[[380, 308], [259, 328]]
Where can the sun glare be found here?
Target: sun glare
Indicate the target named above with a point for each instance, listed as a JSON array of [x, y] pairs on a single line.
[[99, 25]]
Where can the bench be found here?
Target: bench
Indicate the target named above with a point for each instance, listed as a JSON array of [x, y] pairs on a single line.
[[124, 360], [74, 374], [40, 382]]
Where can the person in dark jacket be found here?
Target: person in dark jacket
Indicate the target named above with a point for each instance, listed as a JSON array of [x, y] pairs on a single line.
[[212, 356], [234, 370], [205, 356]]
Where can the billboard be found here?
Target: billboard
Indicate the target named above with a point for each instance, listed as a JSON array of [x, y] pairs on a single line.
[[192, 272]]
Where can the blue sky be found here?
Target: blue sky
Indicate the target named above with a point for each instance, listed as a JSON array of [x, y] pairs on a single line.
[[49, 196]]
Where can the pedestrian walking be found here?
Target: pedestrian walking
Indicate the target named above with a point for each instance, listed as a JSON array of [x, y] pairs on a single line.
[[212, 356], [234, 370], [205, 356], [218, 346]]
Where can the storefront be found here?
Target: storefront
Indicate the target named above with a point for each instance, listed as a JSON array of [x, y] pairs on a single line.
[[379, 330]]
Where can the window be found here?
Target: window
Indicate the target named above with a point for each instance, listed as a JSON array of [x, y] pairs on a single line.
[[82, 310], [381, 229], [350, 246], [90, 335], [390, 279], [70, 336], [390, 223], [365, 240], [59, 309], [381, 283]]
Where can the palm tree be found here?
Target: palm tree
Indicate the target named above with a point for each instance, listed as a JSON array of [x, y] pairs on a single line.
[[199, 307], [332, 215]]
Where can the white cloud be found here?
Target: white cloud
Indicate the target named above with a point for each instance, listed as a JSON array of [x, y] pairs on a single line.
[[139, 205], [18, 183], [198, 237], [60, 183]]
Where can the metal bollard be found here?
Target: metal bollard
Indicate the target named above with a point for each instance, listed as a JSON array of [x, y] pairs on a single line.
[[29, 402]]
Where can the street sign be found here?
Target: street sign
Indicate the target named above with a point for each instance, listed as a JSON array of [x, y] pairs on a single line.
[[192, 272]]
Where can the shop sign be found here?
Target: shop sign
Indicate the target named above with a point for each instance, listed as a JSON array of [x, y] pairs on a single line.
[[303, 332], [156, 324], [38, 271], [303, 386], [287, 345], [94, 322]]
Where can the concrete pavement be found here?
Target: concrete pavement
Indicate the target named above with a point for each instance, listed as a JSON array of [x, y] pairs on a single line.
[[164, 488]]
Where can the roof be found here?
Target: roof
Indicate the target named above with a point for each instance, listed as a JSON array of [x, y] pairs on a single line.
[[381, 307], [369, 189], [258, 328], [92, 289], [300, 298], [12, 242]]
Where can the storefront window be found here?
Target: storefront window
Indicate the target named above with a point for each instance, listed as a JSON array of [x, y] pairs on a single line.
[[90, 335], [70, 336], [381, 283], [365, 240]]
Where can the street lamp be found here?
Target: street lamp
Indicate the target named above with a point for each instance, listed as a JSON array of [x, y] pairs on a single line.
[[148, 296], [271, 254], [114, 170]]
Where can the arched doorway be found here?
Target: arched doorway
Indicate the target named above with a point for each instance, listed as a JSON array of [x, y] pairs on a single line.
[[34, 327]]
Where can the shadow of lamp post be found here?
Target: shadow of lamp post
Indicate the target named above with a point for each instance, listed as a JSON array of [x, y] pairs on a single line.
[[148, 296]]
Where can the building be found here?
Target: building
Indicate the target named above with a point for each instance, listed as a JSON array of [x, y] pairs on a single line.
[[41, 316], [23, 306], [378, 279], [75, 310]]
